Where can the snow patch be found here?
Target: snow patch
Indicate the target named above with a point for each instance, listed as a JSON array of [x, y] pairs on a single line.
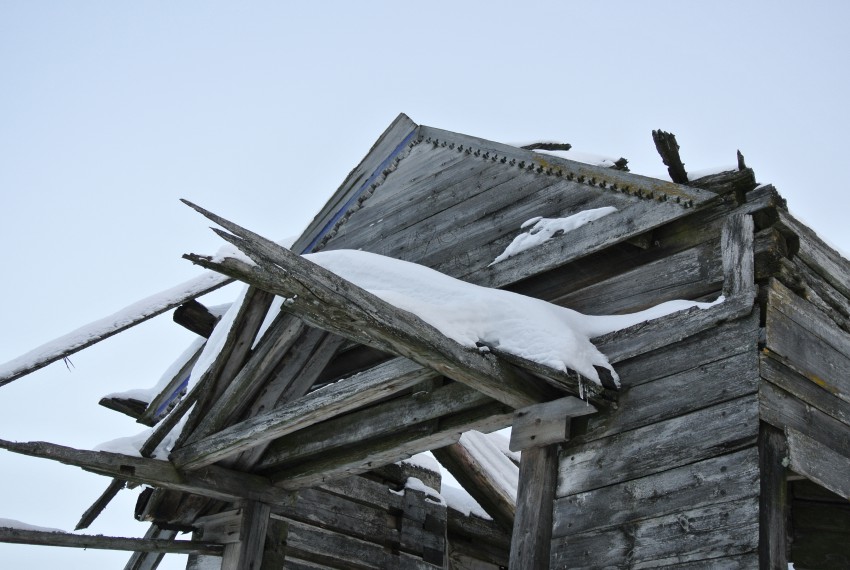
[[425, 461], [12, 523], [470, 314], [583, 157], [461, 501], [544, 229], [430, 494]]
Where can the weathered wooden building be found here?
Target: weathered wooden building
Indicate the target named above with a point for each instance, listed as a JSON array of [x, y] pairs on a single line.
[[726, 444]]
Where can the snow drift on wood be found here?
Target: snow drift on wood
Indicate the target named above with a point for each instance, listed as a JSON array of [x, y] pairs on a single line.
[[473, 315], [544, 229], [18, 525]]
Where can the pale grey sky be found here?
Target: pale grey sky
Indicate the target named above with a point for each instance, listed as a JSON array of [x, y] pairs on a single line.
[[110, 112]]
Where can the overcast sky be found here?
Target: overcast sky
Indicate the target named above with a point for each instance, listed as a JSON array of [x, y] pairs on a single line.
[[111, 111]]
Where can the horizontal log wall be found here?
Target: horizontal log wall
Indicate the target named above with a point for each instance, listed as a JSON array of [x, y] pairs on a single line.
[[671, 478]]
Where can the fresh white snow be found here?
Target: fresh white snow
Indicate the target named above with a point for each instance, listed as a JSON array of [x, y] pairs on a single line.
[[12, 523], [107, 326], [425, 460], [583, 157], [544, 229], [469, 314], [458, 499], [499, 469]]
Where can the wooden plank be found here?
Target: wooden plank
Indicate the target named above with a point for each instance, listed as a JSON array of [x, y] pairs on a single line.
[[214, 482], [247, 553], [817, 462], [423, 526], [809, 340], [195, 317], [44, 538], [819, 256], [486, 474], [388, 147], [652, 335], [723, 341], [721, 479], [280, 337], [151, 560], [329, 302], [708, 432], [782, 410], [689, 274], [478, 538], [390, 449], [773, 499], [102, 501], [736, 247], [371, 422], [679, 393], [162, 404], [781, 373], [106, 327], [355, 392], [532, 532], [547, 423], [696, 535]]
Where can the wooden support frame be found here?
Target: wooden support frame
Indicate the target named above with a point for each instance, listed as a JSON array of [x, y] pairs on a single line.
[[773, 499]]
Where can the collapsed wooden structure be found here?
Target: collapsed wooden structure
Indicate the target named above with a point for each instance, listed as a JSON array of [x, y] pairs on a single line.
[[726, 445]]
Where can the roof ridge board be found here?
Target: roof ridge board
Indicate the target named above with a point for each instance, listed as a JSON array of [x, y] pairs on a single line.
[[389, 145], [546, 164]]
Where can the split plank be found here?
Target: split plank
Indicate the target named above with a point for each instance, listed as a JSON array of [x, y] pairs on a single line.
[[329, 302], [352, 393]]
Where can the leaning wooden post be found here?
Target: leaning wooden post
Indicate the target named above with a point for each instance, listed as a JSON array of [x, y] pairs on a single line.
[[538, 432]]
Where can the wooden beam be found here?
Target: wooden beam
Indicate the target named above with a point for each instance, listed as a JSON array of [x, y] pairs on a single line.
[[354, 392], [45, 538], [485, 472], [214, 482], [97, 507], [375, 421], [247, 553], [329, 302], [88, 335], [736, 250], [668, 149], [195, 317], [381, 451], [773, 499], [543, 424], [151, 560], [532, 530], [817, 462]]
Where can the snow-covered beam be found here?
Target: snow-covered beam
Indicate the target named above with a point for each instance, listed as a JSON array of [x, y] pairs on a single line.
[[325, 300], [213, 481], [53, 538]]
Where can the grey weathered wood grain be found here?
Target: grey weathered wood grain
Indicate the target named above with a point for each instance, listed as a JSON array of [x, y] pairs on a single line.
[[782, 410], [280, 337], [532, 531], [680, 393], [736, 250], [390, 449], [809, 340], [547, 423], [331, 303], [781, 372], [247, 553], [817, 462], [773, 499], [721, 479], [151, 560], [655, 334], [352, 393], [820, 257], [43, 538], [694, 535], [370, 422], [708, 432], [214, 482], [383, 148]]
